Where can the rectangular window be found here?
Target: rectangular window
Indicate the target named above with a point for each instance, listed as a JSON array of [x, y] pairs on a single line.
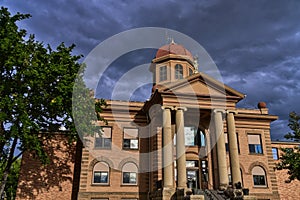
[[100, 177], [163, 73], [259, 180], [129, 178], [190, 72], [190, 134], [191, 163], [131, 138], [275, 153], [254, 143], [103, 138], [178, 71], [226, 142]]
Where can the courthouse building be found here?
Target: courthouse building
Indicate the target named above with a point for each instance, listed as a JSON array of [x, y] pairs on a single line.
[[189, 137]]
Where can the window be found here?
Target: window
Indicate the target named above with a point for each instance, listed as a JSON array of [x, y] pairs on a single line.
[[275, 153], [230, 177], [194, 137], [227, 144], [259, 176], [190, 72], [131, 140], [192, 173], [254, 142], [191, 163], [178, 71], [129, 173], [101, 173], [163, 73], [103, 140]]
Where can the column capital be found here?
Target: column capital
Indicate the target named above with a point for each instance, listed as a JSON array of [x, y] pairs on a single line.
[[180, 108], [232, 111], [216, 110], [167, 107]]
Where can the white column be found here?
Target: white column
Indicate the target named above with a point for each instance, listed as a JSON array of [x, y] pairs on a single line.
[[180, 149], [233, 149], [168, 176], [221, 150]]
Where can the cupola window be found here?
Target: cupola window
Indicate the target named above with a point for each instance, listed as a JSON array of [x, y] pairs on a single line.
[[178, 71], [163, 73]]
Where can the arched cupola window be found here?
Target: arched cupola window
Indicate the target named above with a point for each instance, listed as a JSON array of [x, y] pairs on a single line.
[[178, 71]]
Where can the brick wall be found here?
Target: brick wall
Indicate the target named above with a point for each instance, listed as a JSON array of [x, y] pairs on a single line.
[[53, 181], [287, 190]]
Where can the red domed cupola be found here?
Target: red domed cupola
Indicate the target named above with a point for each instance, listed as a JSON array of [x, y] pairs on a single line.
[[172, 62], [175, 49]]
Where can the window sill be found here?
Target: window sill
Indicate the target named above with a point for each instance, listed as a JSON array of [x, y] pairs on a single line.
[[260, 187], [256, 154], [128, 149], [129, 185], [102, 148], [100, 184]]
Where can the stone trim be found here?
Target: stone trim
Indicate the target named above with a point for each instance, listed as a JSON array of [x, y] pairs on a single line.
[[100, 159]]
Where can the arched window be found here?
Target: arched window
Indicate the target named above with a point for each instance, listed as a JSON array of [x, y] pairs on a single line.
[[202, 139], [178, 71], [101, 173], [259, 176], [129, 173]]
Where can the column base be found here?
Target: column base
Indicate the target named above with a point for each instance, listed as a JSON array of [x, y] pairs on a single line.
[[197, 197], [223, 187], [168, 193]]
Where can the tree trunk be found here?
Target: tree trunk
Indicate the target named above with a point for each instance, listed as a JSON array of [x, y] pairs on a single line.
[[8, 166], [2, 143]]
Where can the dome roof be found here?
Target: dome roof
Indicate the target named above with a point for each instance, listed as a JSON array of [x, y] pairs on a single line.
[[173, 48]]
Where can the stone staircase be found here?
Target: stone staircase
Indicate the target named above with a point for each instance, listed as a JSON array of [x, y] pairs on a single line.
[[214, 195]]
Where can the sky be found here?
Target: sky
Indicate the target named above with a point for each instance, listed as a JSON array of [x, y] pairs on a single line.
[[255, 44]]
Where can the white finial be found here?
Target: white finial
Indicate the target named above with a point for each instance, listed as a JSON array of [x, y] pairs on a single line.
[[172, 41], [169, 39], [196, 64]]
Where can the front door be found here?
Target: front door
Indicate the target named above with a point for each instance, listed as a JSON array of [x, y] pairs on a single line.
[[204, 174]]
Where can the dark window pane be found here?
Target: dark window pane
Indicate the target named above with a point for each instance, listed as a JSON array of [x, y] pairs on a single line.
[[251, 148], [98, 142], [190, 72], [129, 177], [259, 180], [227, 147], [107, 143], [100, 177], [126, 143]]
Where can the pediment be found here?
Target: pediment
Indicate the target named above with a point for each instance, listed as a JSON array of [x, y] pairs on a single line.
[[201, 84]]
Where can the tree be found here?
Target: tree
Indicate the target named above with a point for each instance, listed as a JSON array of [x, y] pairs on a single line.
[[12, 180], [290, 159], [36, 87]]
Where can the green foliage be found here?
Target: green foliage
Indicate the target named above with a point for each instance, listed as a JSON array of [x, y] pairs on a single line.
[[36, 88], [12, 180], [290, 159], [294, 124]]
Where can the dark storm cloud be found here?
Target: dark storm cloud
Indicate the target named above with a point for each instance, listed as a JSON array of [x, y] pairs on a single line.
[[255, 44]]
